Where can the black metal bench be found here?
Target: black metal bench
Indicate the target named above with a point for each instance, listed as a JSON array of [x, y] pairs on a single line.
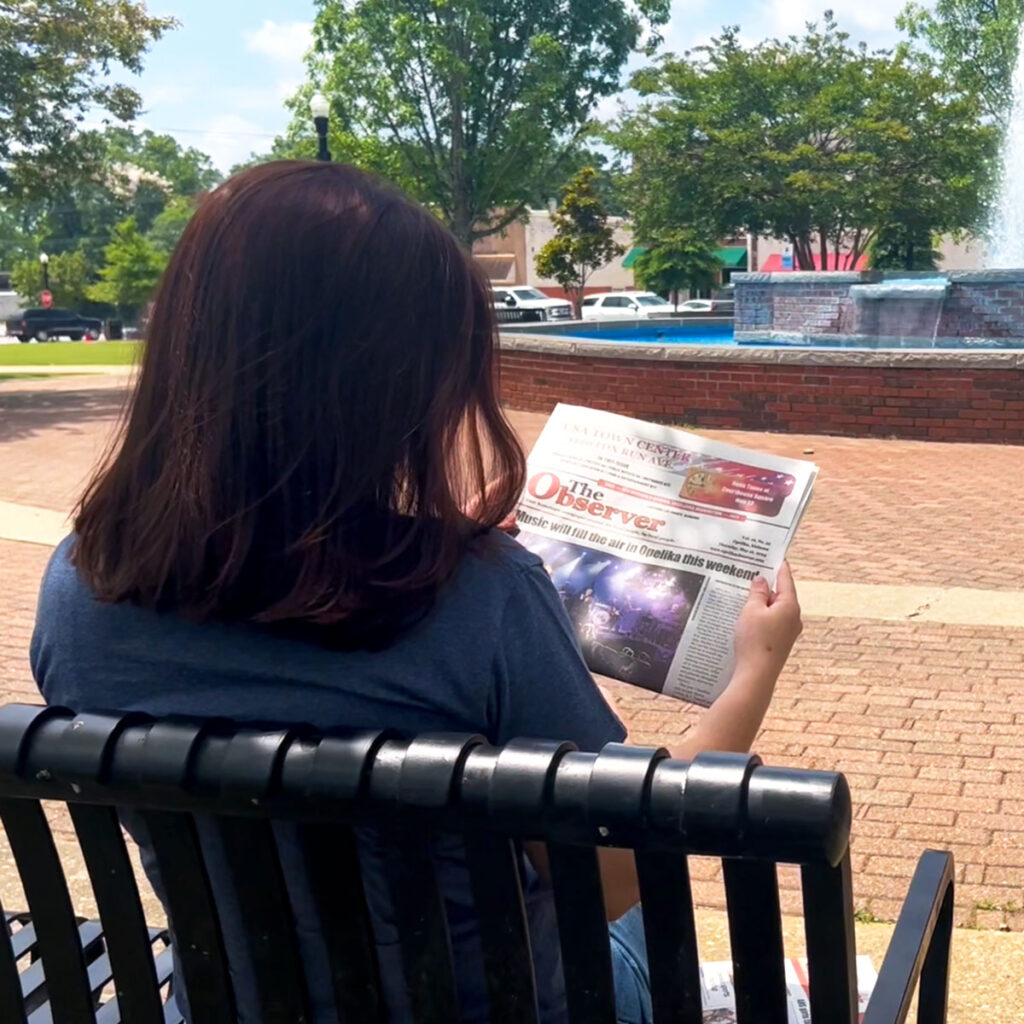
[[54, 966]]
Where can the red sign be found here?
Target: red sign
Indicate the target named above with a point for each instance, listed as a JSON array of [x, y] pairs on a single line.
[[46, 298]]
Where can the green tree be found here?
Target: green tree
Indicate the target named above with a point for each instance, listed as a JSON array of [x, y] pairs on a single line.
[[186, 172], [584, 240], [677, 260], [69, 275], [170, 223], [808, 139], [130, 272], [976, 42], [904, 247], [478, 101], [55, 61]]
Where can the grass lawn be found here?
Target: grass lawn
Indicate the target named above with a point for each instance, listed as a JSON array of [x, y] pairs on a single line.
[[71, 353]]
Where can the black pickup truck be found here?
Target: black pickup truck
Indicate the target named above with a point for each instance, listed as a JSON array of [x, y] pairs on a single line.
[[50, 324]]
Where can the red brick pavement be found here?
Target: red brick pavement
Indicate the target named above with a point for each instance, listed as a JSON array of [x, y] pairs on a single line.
[[925, 719]]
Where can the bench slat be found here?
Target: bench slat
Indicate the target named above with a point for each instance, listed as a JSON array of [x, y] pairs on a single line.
[[422, 926], [831, 944], [110, 1012], [336, 887], [192, 912], [269, 932], [117, 896], [47, 893], [755, 933], [672, 955], [12, 1003], [583, 933], [498, 895]]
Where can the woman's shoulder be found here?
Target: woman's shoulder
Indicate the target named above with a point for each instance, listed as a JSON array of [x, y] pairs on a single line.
[[60, 579], [497, 559]]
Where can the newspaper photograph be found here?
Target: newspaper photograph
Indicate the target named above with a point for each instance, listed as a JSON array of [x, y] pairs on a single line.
[[718, 996], [651, 536]]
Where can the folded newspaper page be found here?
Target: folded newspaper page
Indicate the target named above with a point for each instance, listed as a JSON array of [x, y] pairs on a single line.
[[718, 997], [651, 536]]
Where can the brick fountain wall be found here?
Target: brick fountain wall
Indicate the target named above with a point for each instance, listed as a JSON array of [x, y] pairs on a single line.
[[980, 304], [947, 396]]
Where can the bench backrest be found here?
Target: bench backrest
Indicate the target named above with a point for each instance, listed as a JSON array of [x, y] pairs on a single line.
[[170, 770]]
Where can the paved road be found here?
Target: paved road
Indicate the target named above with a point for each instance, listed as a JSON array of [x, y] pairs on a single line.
[[909, 677]]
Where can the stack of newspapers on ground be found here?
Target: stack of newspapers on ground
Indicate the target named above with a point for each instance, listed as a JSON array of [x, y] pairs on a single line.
[[651, 536], [718, 998]]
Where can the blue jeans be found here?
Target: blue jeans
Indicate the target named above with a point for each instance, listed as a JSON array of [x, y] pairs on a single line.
[[629, 969]]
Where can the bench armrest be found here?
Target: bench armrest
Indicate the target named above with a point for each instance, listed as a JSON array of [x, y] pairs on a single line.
[[919, 948]]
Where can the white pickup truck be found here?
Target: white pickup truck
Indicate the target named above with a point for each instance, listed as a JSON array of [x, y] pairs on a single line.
[[518, 303]]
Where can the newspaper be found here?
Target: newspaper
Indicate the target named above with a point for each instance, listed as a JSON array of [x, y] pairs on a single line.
[[718, 997], [651, 536]]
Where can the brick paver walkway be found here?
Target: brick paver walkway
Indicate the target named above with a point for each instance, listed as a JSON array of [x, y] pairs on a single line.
[[924, 718]]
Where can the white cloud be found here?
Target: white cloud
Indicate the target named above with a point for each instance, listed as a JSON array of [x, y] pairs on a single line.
[[283, 43], [694, 22]]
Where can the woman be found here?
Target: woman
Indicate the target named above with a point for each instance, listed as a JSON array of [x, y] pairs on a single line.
[[279, 534]]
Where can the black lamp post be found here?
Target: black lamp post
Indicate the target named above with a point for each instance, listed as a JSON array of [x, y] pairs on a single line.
[[44, 260], [321, 109]]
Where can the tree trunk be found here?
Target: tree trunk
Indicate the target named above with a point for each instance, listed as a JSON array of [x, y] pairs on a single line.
[[802, 252]]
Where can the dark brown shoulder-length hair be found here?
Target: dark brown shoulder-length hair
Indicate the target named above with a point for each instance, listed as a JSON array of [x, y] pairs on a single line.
[[317, 407]]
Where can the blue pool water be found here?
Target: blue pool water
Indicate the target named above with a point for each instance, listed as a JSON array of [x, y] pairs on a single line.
[[672, 334], [655, 335]]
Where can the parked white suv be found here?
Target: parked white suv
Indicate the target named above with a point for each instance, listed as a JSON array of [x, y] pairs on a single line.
[[625, 306], [520, 303]]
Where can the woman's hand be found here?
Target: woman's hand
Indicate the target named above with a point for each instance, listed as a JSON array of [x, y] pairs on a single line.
[[765, 633]]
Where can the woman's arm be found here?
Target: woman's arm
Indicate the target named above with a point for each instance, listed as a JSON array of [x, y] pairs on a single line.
[[765, 633]]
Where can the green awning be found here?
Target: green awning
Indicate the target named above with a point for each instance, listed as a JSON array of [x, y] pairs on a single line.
[[632, 256], [732, 256], [729, 256]]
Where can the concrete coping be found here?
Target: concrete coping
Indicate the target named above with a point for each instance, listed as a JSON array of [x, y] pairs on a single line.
[[963, 359], [834, 277]]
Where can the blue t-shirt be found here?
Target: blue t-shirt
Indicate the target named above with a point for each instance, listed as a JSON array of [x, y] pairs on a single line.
[[496, 655]]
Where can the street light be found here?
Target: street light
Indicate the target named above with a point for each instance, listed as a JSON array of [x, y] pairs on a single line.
[[321, 109], [45, 261]]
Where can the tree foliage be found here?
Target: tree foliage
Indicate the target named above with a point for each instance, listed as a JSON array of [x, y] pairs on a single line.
[[904, 247], [476, 101], [55, 59], [808, 139], [132, 267], [170, 223], [976, 42], [676, 260], [69, 275], [584, 240], [148, 178]]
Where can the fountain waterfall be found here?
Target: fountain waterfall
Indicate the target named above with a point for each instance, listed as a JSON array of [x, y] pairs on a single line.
[[1006, 238]]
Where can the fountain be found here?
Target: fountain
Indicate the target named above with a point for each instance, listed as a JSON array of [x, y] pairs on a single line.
[[899, 310], [1006, 237]]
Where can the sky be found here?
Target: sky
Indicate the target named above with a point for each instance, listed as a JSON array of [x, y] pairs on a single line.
[[219, 81]]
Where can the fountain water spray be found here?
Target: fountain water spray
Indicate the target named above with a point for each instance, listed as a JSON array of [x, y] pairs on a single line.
[[1006, 237]]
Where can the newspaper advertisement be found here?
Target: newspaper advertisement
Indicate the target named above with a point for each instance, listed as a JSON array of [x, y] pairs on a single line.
[[651, 536], [718, 997]]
